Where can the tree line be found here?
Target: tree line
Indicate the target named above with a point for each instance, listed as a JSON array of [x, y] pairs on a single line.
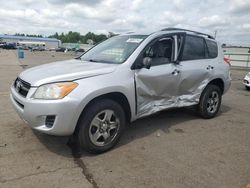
[[75, 37], [27, 35]]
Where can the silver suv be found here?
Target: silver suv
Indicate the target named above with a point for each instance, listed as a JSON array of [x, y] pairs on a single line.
[[122, 79]]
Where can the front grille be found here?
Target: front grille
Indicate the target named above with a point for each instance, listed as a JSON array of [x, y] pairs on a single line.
[[22, 87], [49, 121]]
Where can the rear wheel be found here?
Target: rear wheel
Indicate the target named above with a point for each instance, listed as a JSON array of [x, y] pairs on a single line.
[[247, 88], [210, 102], [101, 126]]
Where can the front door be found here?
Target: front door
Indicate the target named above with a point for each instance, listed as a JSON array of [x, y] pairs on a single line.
[[156, 88]]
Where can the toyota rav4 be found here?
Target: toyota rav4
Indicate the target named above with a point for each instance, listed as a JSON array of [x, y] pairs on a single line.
[[122, 79]]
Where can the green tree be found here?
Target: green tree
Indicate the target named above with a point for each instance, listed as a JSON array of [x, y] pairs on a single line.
[[20, 34], [75, 37]]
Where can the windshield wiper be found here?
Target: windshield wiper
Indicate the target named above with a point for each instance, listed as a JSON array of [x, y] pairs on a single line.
[[92, 60], [98, 61]]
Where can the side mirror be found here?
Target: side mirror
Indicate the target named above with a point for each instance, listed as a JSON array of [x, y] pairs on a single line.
[[146, 62]]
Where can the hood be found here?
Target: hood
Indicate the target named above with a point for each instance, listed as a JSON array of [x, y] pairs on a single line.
[[65, 71]]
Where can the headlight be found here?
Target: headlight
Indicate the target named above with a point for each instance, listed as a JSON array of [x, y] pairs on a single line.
[[55, 90]]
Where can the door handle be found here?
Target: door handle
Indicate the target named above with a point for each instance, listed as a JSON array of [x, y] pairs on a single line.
[[175, 72], [209, 67]]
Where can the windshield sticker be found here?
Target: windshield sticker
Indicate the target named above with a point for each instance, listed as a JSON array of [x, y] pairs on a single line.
[[134, 40]]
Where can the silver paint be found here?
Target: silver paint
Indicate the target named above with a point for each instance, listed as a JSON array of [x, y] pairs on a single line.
[[147, 90]]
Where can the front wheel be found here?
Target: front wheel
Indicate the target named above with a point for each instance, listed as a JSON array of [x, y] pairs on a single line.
[[210, 102], [247, 88], [100, 126]]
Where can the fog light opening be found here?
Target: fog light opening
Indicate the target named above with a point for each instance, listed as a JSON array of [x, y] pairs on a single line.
[[49, 121]]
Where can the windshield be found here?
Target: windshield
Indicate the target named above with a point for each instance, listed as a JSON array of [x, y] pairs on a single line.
[[114, 50]]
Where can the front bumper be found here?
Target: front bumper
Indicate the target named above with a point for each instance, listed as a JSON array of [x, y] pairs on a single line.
[[246, 81], [34, 112]]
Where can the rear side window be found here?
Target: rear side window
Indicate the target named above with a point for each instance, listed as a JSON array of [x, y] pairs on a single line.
[[212, 49], [194, 48]]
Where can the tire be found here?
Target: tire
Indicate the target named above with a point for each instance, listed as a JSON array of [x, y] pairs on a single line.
[[210, 102], [96, 132], [247, 88]]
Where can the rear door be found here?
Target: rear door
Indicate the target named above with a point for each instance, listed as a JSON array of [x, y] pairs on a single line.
[[196, 70], [156, 88]]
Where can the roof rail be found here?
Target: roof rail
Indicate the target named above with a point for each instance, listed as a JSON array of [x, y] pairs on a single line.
[[199, 33]]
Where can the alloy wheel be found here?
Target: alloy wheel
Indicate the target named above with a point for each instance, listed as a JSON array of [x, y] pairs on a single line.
[[213, 102], [104, 128]]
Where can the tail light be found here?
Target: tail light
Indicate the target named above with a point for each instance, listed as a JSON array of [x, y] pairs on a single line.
[[227, 61]]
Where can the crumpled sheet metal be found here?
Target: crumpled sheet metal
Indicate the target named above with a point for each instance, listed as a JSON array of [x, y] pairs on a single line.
[[153, 97]]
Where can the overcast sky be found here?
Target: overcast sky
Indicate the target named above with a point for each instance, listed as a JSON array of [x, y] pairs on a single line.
[[231, 18]]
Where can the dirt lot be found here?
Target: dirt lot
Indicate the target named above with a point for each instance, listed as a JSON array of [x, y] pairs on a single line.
[[174, 148]]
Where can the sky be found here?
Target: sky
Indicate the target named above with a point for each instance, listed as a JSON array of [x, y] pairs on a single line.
[[230, 18]]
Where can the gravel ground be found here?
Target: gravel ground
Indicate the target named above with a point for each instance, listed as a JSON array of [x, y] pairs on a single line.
[[174, 148]]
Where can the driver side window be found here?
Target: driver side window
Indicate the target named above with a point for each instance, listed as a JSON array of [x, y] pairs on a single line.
[[160, 51]]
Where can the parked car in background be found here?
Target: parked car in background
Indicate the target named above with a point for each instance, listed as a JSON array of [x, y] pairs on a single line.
[[71, 49], [61, 49], [80, 50], [124, 78], [9, 46], [38, 48], [2, 44], [246, 81], [32, 45]]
